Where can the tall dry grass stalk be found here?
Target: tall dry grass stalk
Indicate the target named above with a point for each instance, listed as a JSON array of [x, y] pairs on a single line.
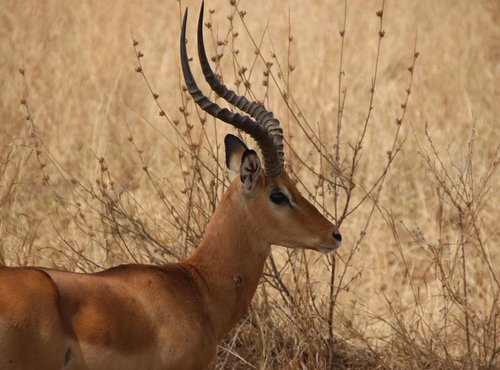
[[390, 111]]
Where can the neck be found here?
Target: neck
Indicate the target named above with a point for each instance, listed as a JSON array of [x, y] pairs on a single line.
[[229, 261]]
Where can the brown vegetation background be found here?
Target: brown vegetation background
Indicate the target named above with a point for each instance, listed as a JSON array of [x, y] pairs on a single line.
[[91, 175]]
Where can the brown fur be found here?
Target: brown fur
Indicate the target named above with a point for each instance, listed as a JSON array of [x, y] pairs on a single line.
[[154, 317]]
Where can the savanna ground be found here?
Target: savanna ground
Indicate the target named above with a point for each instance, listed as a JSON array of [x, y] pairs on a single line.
[[392, 130]]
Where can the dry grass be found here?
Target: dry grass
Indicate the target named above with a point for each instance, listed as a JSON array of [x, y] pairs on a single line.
[[95, 176]]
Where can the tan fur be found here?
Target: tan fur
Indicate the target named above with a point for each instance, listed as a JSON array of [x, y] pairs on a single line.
[[154, 317]]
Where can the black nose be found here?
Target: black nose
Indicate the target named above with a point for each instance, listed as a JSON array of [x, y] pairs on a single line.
[[337, 236]]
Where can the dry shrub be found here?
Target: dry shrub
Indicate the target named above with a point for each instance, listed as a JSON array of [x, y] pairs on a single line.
[[401, 151]]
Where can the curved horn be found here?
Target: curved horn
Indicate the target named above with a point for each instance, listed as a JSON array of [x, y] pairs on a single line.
[[272, 161], [254, 109]]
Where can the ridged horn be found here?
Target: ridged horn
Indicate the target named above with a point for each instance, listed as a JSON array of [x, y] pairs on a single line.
[[264, 129]]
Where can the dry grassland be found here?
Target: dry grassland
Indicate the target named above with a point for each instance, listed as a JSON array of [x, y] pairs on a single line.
[[91, 175]]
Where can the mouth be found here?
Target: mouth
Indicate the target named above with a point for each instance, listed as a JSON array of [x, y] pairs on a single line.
[[326, 248], [323, 248]]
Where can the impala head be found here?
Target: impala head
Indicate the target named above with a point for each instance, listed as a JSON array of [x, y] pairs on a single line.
[[284, 216]]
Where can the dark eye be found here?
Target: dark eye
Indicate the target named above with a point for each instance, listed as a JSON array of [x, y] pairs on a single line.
[[277, 197]]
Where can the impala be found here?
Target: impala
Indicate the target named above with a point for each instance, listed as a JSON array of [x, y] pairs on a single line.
[[172, 316]]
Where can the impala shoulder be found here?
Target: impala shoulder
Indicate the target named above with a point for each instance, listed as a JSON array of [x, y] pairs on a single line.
[[18, 280]]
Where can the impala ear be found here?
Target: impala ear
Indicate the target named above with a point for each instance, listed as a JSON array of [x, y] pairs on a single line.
[[249, 170], [234, 152]]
